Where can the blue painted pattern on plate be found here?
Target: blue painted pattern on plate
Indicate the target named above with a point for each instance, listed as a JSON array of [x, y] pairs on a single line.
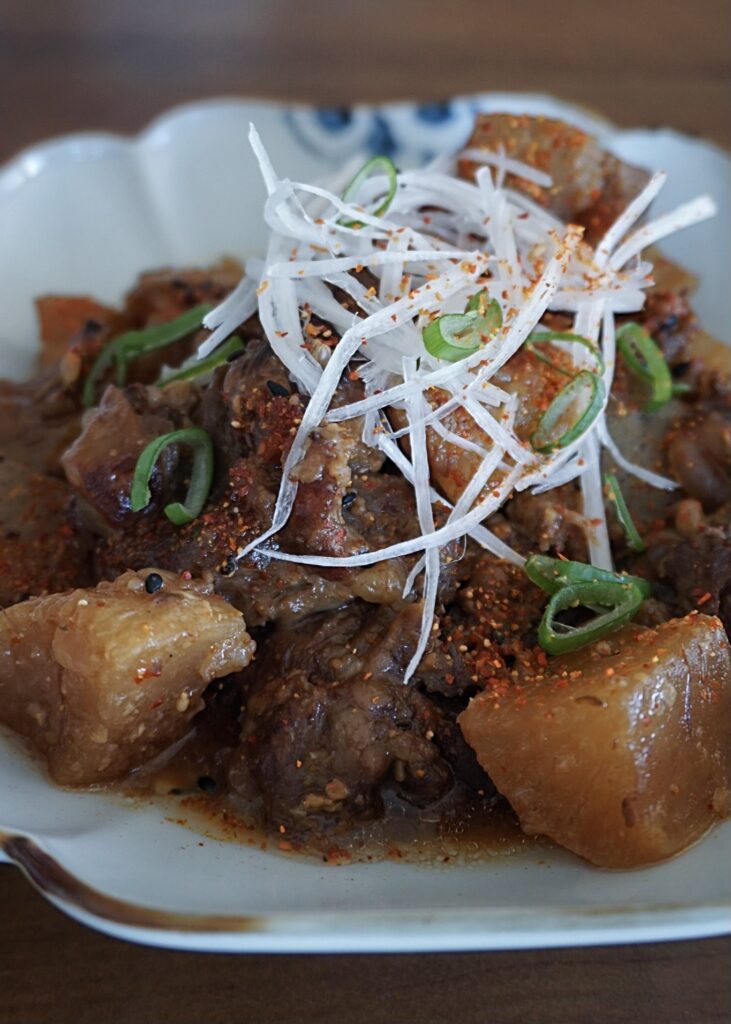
[[407, 132]]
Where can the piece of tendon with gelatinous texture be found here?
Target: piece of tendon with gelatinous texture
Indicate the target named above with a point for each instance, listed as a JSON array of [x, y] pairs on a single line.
[[620, 751], [101, 681]]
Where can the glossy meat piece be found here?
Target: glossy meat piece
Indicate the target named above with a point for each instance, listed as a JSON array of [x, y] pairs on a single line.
[[692, 568], [619, 752], [166, 293], [590, 186], [550, 522], [73, 328], [642, 438], [40, 551], [328, 722], [100, 463], [699, 455], [340, 512], [238, 513], [250, 409], [452, 467], [343, 504], [157, 297], [38, 420], [271, 591], [101, 681]]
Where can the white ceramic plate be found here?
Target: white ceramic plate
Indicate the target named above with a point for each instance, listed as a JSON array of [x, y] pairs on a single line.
[[85, 214]]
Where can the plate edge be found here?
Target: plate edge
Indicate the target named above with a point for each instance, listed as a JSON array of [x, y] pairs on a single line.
[[500, 928]]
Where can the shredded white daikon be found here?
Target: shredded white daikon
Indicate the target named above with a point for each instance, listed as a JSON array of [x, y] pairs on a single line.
[[439, 242]]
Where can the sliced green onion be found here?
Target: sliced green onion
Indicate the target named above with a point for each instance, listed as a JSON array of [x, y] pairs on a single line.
[[614, 493], [645, 360], [560, 424], [490, 313], [681, 387], [551, 574], [488, 308], [201, 478], [536, 338], [132, 344], [622, 600], [194, 367], [376, 163], [456, 335]]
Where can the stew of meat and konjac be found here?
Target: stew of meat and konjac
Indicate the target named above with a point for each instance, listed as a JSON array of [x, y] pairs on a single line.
[[129, 640]]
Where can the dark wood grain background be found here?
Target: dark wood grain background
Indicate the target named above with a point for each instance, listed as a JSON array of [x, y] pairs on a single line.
[[67, 65]]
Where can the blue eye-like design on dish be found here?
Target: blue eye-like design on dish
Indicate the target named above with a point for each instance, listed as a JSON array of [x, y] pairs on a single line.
[[434, 113], [406, 132], [334, 119]]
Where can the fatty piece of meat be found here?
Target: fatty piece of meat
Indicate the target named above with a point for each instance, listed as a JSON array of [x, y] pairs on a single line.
[[692, 571], [699, 456], [344, 504], [101, 681], [621, 751], [73, 329], [328, 722], [40, 551], [549, 522], [164, 294], [589, 186], [452, 467], [251, 410], [38, 420], [100, 464]]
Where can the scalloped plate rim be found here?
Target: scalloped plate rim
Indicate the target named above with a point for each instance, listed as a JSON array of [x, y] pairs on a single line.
[[32, 160]]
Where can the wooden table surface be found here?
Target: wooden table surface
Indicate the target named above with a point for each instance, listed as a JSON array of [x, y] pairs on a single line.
[[77, 64]]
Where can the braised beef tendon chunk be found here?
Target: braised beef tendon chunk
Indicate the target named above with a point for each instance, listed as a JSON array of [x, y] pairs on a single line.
[[690, 562], [100, 464], [102, 680], [38, 420], [73, 329], [588, 185], [251, 408], [620, 752], [328, 722], [164, 294], [699, 455], [40, 549]]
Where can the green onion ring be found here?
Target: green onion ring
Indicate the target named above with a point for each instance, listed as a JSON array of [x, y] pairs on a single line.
[[129, 346], [614, 493], [622, 600], [201, 478], [645, 359], [193, 368], [489, 311], [383, 163], [453, 336], [545, 438], [536, 338], [485, 306], [551, 574]]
